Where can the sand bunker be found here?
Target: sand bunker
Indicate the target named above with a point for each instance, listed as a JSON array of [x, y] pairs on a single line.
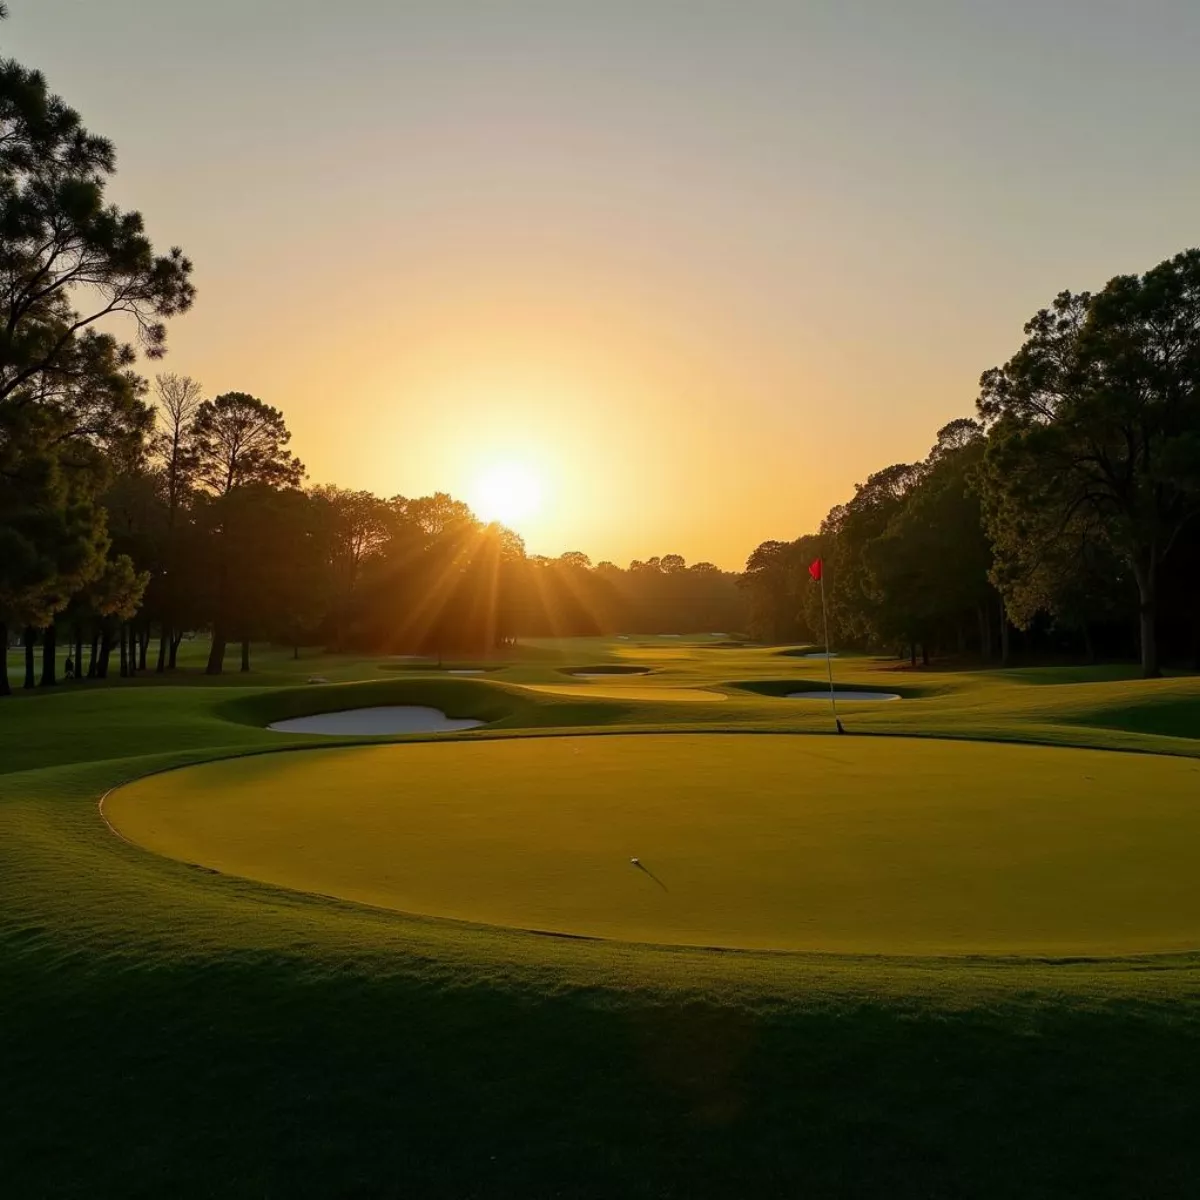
[[393, 718], [845, 696], [466, 671]]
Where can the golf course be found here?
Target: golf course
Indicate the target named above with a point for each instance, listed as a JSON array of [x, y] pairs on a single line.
[[633, 944], [599, 601]]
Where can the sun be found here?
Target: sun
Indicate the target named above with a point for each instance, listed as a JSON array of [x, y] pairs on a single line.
[[507, 492]]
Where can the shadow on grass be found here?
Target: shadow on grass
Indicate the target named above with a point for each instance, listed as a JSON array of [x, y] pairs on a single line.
[[265, 1077]]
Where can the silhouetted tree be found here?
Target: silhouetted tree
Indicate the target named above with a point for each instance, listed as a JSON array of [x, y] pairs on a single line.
[[238, 441], [1097, 416], [68, 397]]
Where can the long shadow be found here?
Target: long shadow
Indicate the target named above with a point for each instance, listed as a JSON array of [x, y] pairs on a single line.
[[641, 866]]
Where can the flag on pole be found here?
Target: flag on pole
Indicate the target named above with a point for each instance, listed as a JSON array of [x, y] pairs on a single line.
[[816, 570]]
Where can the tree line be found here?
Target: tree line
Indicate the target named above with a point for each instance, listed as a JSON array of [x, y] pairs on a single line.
[[1063, 514]]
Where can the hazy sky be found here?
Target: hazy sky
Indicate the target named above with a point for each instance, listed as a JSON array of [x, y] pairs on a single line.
[[702, 266]]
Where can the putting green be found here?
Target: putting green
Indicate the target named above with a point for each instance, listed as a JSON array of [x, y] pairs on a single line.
[[863, 845]]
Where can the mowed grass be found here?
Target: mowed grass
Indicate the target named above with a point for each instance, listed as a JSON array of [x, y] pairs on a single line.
[[889, 846], [641, 692], [167, 1030]]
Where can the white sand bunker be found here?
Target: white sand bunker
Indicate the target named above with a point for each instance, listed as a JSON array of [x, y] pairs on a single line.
[[391, 718], [466, 671], [842, 695]]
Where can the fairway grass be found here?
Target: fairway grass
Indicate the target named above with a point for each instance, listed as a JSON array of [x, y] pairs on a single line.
[[634, 691], [837, 845], [173, 1030], [380, 720]]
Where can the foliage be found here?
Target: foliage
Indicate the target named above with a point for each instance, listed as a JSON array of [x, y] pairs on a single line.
[[1096, 426], [70, 403], [238, 440]]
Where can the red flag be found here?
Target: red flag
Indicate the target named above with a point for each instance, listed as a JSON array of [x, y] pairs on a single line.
[[814, 569]]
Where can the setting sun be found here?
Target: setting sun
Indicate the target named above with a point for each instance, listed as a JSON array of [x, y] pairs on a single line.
[[508, 493]]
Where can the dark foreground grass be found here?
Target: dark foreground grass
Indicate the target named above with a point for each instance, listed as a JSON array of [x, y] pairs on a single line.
[[254, 1077], [169, 1032]]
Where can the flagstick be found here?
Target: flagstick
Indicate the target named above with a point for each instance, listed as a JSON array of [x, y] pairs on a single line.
[[828, 659]]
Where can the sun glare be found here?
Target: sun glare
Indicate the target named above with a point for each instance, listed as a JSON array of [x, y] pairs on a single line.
[[508, 493]]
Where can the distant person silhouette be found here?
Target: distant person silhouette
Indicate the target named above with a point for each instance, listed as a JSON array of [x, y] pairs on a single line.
[[69, 668]]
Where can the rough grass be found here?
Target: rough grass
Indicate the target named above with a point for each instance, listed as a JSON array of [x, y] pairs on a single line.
[[168, 1031]]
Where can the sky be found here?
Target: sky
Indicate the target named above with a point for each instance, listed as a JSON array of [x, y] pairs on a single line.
[[695, 268]]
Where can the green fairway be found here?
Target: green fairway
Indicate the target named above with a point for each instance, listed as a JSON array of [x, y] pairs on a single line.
[[872, 846], [621, 691], [170, 1029]]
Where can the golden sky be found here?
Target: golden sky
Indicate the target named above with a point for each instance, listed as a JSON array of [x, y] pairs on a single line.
[[697, 266]]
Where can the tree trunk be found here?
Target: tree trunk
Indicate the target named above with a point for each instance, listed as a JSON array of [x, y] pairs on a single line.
[[176, 638], [295, 653], [5, 686], [924, 654], [164, 637], [143, 646], [1089, 646], [49, 646], [94, 656], [912, 654], [245, 654], [985, 633], [216, 652], [78, 651], [1005, 636], [122, 630], [1146, 572], [30, 636]]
